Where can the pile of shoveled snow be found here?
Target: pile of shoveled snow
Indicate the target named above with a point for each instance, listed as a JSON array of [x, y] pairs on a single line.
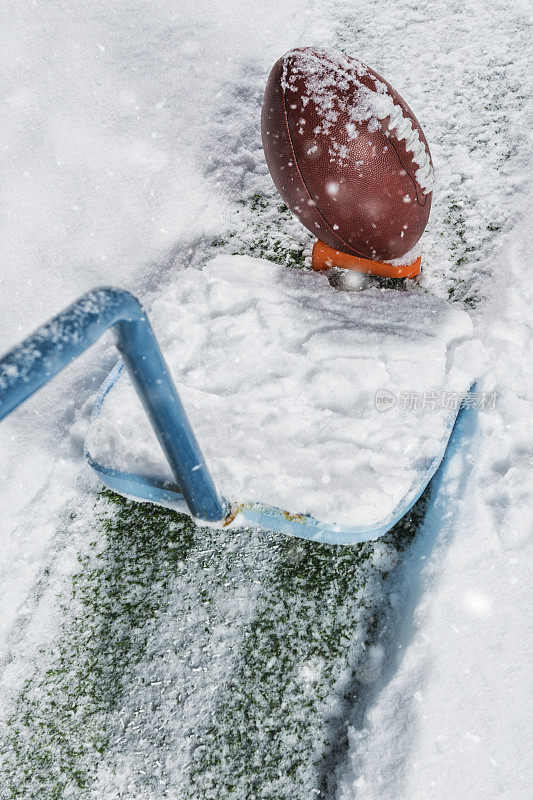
[[282, 377]]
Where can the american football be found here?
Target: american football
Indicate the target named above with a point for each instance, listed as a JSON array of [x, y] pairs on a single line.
[[346, 154]]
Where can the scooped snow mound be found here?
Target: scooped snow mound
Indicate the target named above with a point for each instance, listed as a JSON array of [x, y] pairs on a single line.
[[319, 402]]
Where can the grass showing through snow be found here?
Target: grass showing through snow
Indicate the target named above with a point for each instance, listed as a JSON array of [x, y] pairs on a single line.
[[150, 587]]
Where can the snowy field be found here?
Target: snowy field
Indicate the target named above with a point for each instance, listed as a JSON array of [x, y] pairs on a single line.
[[141, 656]]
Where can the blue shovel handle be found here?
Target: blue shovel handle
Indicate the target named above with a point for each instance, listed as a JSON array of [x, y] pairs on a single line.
[[31, 364]]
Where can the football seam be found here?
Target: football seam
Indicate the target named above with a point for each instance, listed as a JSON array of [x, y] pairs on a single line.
[[336, 235]]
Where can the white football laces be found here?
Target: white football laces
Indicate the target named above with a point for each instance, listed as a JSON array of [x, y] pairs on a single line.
[[403, 128]]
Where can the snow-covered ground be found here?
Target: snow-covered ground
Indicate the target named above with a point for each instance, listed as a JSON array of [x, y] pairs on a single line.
[[142, 657], [452, 714]]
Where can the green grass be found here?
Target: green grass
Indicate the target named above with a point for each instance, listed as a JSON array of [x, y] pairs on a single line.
[[280, 722], [58, 730], [267, 234], [277, 715]]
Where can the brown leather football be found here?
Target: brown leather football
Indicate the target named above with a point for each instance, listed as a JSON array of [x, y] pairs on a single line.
[[346, 153]]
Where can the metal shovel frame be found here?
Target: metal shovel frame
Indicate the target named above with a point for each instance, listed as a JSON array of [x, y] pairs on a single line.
[[35, 361], [27, 367]]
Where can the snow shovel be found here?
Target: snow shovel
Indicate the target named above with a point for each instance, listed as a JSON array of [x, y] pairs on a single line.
[[322, 414]]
